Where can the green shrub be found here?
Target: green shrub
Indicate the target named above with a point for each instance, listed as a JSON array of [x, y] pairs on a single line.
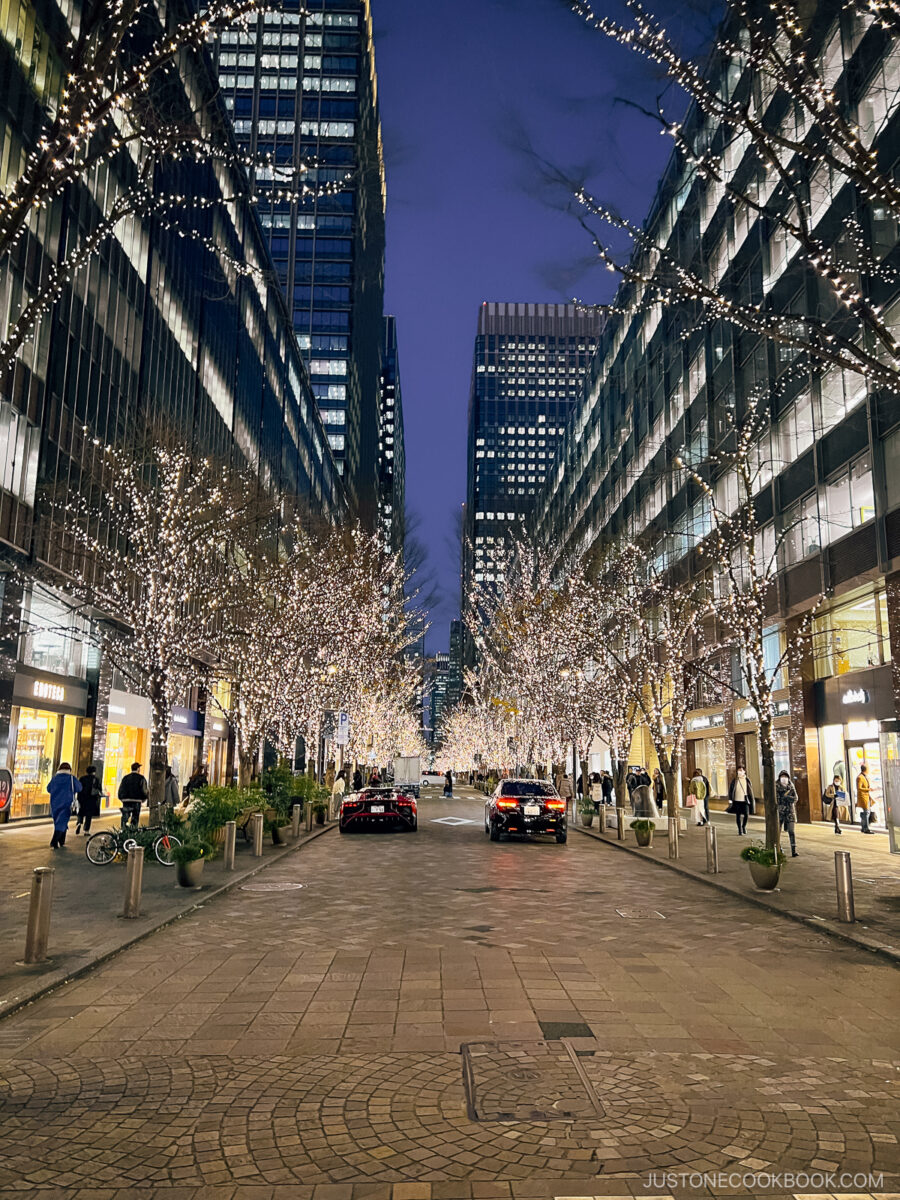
[[190, 851], [643, 825], [213, 807], [766, 856]]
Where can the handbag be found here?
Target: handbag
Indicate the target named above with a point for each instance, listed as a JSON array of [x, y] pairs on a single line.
[[730, 808]]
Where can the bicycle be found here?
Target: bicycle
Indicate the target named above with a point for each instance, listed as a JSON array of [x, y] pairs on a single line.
[[106, 846]]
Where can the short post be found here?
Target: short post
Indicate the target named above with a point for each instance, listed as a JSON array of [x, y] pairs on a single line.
[[844, 880], [230, 841], [620, 823], [37, 932], [134, 876], [712, 851], [296, 810], [673, 837], [308, 814], [257, 820]]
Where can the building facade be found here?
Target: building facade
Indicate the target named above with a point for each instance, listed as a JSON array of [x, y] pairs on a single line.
[[436, 675], [455, 670], [156, 334], [665, 384], [527, 374], [302, 89], [391, 446]]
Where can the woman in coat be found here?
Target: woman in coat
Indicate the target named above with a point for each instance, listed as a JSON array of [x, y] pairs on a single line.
[[171, 797], [740, 799], [88, 800], [864, 797], [786, 798], [835, 796], [659, 788], [63, 789]]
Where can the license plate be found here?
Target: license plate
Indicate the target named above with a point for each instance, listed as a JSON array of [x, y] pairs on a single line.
[[377, 808], [532, 810]]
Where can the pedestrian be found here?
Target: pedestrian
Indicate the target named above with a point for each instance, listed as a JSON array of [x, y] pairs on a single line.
[[631, 779], [170, 793], [786, 798], [606, 783], [88, 800], [63, 789], [698, 797], [644, 779], [133, 791], [835, 799], [659, 789], [448, 784], [740, 799], [329, 776], [565, 786], [357, 780], [864, 798], [337, 792], [374, 778], [199, 779]]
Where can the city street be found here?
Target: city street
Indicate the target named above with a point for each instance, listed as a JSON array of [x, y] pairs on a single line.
[[433, 1015]]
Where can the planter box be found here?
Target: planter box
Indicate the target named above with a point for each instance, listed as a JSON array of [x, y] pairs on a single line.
[[766, 878], [190, 875], [281, 835], [643, 837], [587, 819]]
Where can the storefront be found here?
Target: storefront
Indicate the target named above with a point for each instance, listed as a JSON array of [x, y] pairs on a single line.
[[127, 741], [217, 731], [185, 741], [746, 740], [849, 709], [705, 749], [46, 728]]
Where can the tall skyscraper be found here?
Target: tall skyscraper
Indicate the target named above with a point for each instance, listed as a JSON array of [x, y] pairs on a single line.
[[391, 446], [455, 673], [301, 86], [530, 363]]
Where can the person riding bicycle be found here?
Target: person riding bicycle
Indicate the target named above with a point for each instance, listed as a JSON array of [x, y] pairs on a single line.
[[133, 791]]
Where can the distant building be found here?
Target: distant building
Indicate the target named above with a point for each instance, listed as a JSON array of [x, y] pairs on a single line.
[[455, 671], [391, 446], [437, 671], [301, 85]]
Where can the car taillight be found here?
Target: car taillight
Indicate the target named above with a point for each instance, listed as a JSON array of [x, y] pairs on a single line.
[[507, 804], [555, 803], [351, 804]]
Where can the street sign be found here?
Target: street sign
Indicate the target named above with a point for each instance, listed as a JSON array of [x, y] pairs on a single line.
[[342, 733]]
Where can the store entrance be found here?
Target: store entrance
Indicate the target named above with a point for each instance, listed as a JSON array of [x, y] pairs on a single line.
[[43, 741], [868, 752]]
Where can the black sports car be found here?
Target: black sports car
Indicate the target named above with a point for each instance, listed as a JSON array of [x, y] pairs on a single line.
[[379, 808], [525, 806]]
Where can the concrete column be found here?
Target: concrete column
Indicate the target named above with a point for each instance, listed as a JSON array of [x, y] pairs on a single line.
[[803, 734]]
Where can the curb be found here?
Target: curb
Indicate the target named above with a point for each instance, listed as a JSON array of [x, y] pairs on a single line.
[[820, 924], [53, 981]]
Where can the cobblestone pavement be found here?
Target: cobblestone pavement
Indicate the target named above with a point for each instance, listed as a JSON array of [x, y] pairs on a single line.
[[435, 1016]]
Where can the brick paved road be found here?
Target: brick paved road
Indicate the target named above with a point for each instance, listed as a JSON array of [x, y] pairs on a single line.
[[308, 1042]]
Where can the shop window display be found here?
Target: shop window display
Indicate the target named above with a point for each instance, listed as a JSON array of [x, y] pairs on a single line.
[[43, 741]]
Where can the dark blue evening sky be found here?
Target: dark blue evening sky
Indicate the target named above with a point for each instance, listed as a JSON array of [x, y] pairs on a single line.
[[464, 87]]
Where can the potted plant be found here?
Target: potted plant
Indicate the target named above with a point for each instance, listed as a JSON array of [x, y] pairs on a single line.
[[586, 811], [643, 831], [765, 864], [320, 808], [189, 859], [211, 808]]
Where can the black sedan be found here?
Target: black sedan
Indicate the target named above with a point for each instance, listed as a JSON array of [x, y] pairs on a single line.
[[378, 808], [525, 806]]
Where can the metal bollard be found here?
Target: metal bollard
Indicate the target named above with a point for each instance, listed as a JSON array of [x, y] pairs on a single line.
[[712, 851], [620, 823], [37, 932], [844, 880], [308, 814], [295, 820], [673, 837], [257, 820], [230, 841], [134, 875]]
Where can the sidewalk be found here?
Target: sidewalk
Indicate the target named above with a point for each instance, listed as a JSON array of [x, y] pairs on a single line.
[[807, 887], [85, 925]]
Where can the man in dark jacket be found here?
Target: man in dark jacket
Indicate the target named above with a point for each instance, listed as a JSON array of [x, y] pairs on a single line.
[[89, 799], [133, 791]]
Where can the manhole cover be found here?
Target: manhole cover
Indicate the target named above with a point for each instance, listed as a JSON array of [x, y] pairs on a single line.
[[270, 887], [526, 1081], [641, 914]]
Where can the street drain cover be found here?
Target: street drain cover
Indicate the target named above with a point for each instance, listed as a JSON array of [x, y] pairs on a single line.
[[271, 887], [641, 914], [526, 1081]]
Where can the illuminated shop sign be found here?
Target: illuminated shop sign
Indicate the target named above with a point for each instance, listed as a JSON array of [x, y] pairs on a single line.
[[54, 692], [855, 696]]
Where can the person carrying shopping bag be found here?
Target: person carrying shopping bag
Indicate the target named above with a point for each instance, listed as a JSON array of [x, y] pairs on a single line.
[[864, 798], [88, 800]]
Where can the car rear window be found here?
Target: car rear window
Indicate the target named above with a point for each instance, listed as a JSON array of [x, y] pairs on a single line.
[[528, 787]]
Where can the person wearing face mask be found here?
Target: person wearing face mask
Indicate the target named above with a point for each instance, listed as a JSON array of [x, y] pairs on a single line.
[[740, 799], [786, 796]]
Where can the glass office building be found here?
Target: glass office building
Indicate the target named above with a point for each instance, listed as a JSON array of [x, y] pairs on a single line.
[[301, 87], [391, 446]]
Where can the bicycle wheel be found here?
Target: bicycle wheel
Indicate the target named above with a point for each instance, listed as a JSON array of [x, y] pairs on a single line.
[[101, 848], [163, 848]]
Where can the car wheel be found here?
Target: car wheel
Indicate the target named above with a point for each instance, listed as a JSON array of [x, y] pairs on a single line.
[[494, 832], [342, 828], [487, 828], [562, 838]]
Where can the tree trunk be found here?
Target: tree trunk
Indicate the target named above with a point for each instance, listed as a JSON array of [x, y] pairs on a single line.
[[767, 752], [670, 777], [159, 754], [619, 770]]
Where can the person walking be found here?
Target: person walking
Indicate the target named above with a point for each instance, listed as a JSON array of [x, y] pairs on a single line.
[[836, 797], [133, 791], [659, 788], [63, 789], [199, 779], [448, 784], [170, 792], [606, 783], [698, 793], [740, 799], [337, 793], [786, 798], [864, 798], [357, 780], [88, 799]]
